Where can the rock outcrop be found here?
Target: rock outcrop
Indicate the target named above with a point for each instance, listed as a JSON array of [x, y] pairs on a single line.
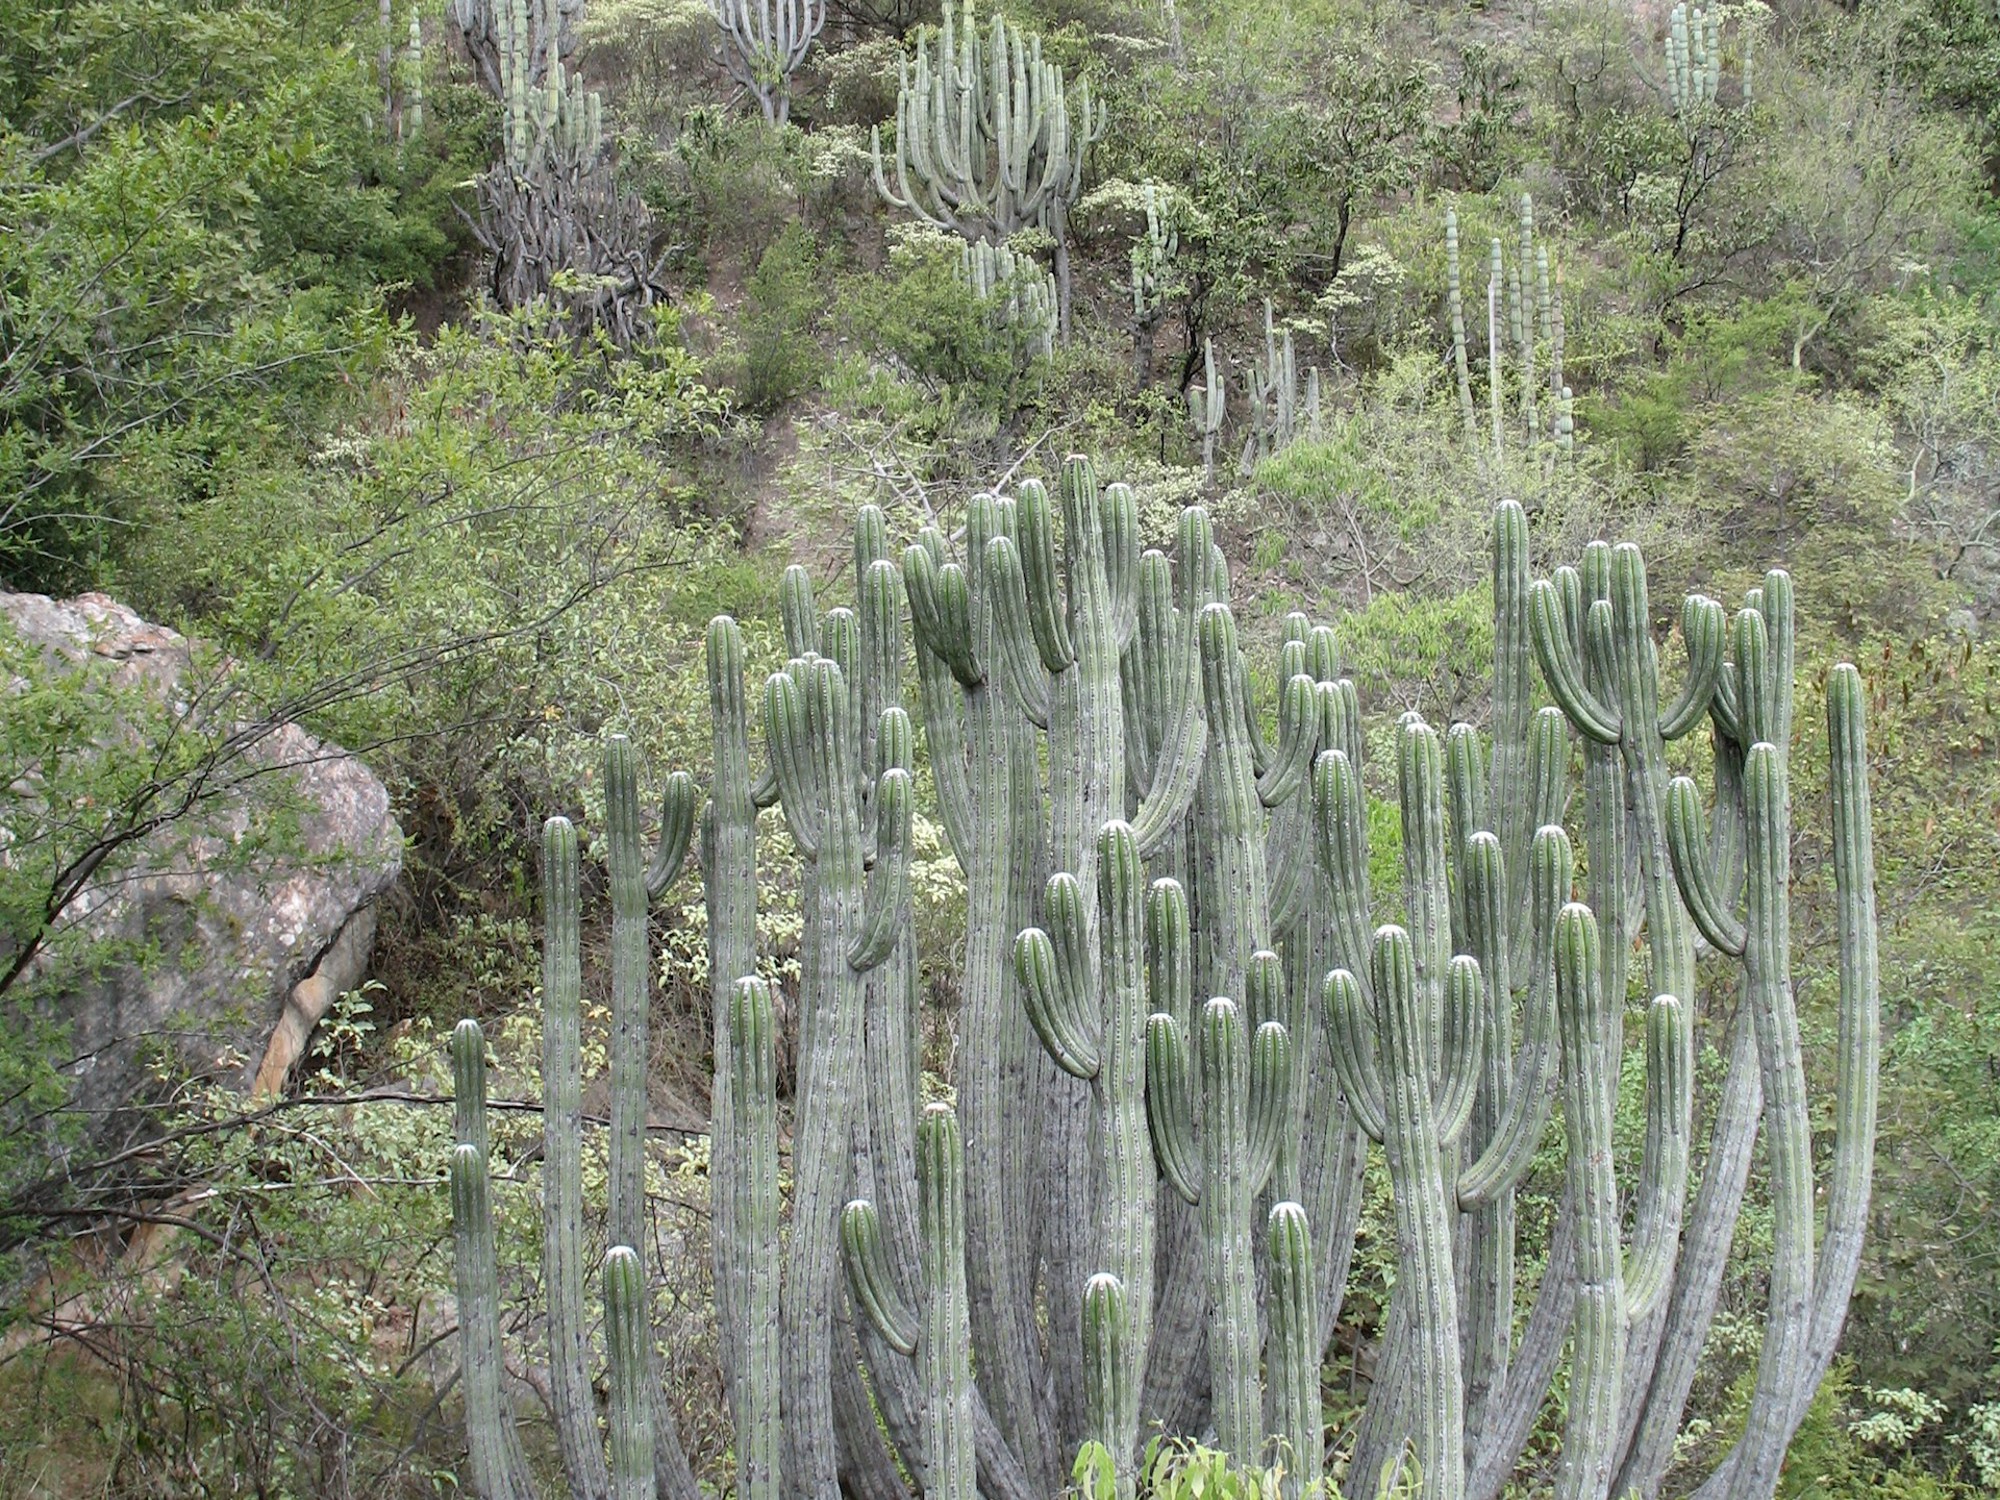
[[247, 955]]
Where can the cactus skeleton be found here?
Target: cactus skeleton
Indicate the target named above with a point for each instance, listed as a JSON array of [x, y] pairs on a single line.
[[1130, 1177]]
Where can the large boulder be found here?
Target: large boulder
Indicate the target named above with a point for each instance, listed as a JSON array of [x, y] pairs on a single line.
[[246, 956]]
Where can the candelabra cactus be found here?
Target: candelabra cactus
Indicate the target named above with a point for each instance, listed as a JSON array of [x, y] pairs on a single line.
[[1522, 295], [552, 205], [1153, 252], [1243, 1087], [764, 44], [1055, 621], [1020, 295], [989, 139], [1275, 405], [939, 1332], [1694, 58]]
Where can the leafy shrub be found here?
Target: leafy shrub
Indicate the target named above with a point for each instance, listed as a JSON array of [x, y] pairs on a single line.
[[781, 304]]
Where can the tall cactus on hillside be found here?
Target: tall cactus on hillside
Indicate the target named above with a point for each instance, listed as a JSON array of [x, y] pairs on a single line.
[[1019, 294], [1054, 621], [1153, 252], [938, 1333], [764, 42], [1524, 316], [989, 137], [1208, 404], [1241, 1089]]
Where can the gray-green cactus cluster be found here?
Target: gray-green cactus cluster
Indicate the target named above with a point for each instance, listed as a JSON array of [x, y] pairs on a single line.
[[1280, 407], [1694, 58], [1208, 404], [1524, 322], [1019, 295], [1184, 1015], [990, 137], [764, 42]]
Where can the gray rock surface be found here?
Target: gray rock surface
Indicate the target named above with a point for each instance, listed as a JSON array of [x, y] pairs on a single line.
[[253, 956]]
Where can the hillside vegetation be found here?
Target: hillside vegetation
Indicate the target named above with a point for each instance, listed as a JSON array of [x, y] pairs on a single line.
[[273, 372]]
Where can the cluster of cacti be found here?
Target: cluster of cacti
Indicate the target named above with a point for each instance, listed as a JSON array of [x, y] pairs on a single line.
[[1180, 1026], [1153, 252], [1208, 404], [1280, 409], [645, 1452], [1020, 295], [1520, 299], [551, 206], [1694, 58], [990, 139], [764, 42]]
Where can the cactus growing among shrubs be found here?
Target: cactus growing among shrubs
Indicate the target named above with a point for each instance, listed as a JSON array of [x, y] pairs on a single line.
[[958, 1247]]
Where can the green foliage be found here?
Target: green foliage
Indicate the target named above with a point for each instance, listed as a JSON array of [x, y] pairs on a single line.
[[203, 217], [781, 304]]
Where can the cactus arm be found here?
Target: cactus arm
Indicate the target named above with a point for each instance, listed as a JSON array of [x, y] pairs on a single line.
[[1426, 881], [885, 909], [1510, 774], [1169, 971], [1268, 1108], [1531, 1097], [1118, 515], [1229, 819], [1860, 1013], [1702, 631], [1341, 825], [1143, 679], [1464, 1027], [880, 679], [1298, 742], [752, 1193], [468, 1093], [1589, 1098], [941, 607], [628, 1340], [1169, 1112], [1561, 671], [679, 803], [1035, 533], [1054, 987], [1663, 1174], [1112, 1395], [562, 1167], [801, 790], [946, 1353], [1027, 677], [944, 730], [493, 1451], [630, 993], [1182, 744], [798, 613], [1423, 1218], [1687, 841], [1294, 1356], [1229, 1186], [868, 1277], [1352, 1035]]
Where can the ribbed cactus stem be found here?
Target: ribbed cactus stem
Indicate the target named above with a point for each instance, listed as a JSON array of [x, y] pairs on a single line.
[[1423, 1216], [628, 1339], [764, 43], [1455, 303], [751, 1191], [1109, 1386], [1207, 404], [1493, 359], [946, 1348], [562, 1167], [1293, 1357], [1243, 1093], [492, 1447], [1590, 1090]]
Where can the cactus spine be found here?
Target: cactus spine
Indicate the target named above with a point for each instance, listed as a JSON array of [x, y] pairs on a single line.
[[765, 43]]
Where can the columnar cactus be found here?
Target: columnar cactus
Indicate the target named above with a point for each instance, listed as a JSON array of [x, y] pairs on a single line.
[[1455, 305], [765, 43], [938, 1333], [1081, 1295], [1153, 252], [1208, 403], [1277, 411], [1525, 295], [1092, 1020], [1020, 295], [1242, 1088], [989, 139]]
